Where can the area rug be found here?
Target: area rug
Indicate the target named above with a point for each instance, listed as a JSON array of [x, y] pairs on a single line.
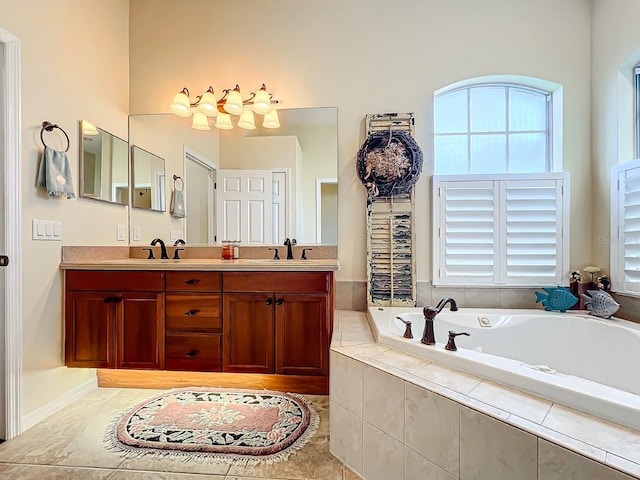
[[244, 427]]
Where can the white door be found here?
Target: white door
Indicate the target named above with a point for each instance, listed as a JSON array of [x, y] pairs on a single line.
[[3, 259], [245, 206], [281, 224]]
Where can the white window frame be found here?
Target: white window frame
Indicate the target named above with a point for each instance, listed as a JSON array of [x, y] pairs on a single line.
[[619, 281], [499, 275]]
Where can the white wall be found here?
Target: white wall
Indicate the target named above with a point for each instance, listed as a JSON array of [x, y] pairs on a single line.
[[370, 56], [75, 65], [616, 50]]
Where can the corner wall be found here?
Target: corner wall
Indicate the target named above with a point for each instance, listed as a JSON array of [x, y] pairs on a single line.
[[75, 65]]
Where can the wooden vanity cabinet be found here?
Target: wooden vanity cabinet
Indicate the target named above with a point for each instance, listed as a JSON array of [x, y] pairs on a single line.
[[114, 319], [276, 322], [193, 324]]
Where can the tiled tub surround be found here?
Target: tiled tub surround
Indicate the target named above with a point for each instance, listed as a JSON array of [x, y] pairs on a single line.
[[593, 361], [395, 415]]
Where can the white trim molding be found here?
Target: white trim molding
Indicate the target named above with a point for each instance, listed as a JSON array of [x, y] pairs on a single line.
[[48, 409], [12, 234]]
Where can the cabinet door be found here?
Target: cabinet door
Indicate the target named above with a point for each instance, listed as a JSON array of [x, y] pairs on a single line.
[[248, 332], [89, 329], [301, 334], [140, 327]]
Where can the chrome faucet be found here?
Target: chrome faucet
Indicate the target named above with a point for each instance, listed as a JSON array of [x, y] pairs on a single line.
[[289, 244], [163, 248], [428, 336]]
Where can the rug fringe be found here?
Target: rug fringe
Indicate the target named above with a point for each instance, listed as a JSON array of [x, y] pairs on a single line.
[[113, 445]]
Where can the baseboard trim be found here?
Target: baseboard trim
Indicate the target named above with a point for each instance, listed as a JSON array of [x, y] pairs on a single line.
[[48, 409]]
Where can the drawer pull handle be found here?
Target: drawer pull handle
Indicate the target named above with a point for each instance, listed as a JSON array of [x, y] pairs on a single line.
[[192, 281], [268, 301], [279, 301], [113, 299], [191, 313], [191, 353]]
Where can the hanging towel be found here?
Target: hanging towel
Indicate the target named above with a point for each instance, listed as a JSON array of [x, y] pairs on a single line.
[[177, 204], [55, 174]]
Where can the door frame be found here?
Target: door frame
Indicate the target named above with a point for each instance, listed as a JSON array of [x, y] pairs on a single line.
[[12, 235], [319, 183]]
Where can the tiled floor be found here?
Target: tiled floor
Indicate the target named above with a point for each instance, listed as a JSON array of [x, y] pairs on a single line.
[[69, 446]]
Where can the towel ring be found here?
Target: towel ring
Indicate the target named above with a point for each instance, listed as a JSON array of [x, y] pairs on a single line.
[[175, 183], [48, 126]]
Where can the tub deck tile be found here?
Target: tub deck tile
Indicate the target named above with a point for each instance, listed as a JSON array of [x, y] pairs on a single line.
[[524, 405], [449, 377], [622, 441], [623, 464]]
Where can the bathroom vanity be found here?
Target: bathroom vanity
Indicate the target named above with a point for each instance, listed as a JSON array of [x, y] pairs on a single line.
[[195, 316]]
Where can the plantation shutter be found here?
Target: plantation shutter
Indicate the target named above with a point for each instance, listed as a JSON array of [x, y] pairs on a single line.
[[467, 233], [532, 231], [501, 230], [627, 236]]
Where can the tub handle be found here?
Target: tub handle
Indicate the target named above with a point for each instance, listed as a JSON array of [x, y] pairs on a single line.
[[407, 331], [451, 344]]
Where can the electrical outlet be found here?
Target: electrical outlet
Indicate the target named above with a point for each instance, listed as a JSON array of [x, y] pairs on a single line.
[[120, 233], [136, 234]]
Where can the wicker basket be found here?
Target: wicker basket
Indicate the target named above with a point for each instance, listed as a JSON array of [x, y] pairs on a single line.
[[389, 163]]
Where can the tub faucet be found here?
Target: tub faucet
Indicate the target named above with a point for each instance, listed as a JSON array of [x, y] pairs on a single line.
[[289, 244], [428, 336], [163, 248]]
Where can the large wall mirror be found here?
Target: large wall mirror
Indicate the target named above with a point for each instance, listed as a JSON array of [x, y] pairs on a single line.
[[257, 186], [104, 165]]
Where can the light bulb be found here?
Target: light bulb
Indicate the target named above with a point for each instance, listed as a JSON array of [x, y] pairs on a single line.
[[247, 120], [200, 121], [262, 101], [208, 103], [181, 105], [271, 120], [89, 128], [233, 105], [223, 121]]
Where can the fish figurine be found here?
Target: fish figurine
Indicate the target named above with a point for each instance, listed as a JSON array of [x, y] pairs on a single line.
[[600, 303], [556, 298]]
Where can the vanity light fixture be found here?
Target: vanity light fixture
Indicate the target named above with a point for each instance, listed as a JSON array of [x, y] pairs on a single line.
[[231, 103]]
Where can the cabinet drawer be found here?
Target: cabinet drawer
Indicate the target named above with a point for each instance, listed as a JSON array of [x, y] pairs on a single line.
[[192, 311], [121, 281], [193, 351], [275, 282], [193, 281]]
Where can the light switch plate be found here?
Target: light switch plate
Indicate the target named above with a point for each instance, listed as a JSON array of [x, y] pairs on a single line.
[[136, 234], [120, 233], [46, 230]]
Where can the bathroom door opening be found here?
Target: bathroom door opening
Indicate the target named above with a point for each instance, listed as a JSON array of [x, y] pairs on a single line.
[[327, 211], [200, 199]]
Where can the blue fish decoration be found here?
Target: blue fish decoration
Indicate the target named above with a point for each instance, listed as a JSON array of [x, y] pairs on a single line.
[[556, 298]]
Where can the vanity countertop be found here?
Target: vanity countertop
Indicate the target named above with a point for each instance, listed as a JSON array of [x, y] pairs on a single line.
[[204, 264]]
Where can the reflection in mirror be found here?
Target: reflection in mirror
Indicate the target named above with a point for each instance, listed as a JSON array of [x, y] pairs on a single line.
[[293, 171], [104, 165], [148, 180]]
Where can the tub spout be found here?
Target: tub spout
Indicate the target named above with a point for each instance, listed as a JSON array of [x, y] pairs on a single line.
[[428, 336], [443, 302]]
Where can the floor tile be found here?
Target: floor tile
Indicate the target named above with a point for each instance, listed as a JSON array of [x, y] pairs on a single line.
[[43, 472], [155, 475]]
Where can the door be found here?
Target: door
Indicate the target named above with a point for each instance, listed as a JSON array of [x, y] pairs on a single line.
[[245, 206], [302, 334], [248, 332], [280, 208], [200, 178], [90, 321], [140, 330]]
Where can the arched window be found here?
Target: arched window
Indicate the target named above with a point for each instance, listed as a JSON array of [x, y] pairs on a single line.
[[492, 128]]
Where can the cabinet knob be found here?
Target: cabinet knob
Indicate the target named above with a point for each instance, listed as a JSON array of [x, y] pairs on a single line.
[[191, 281], [191, 313], [279, 301], [191, 353], [268, 301]]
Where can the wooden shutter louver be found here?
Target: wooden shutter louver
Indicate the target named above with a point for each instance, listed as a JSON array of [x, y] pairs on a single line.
[[390, 233]]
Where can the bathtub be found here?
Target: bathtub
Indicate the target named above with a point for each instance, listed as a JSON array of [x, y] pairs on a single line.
[[583, 362]]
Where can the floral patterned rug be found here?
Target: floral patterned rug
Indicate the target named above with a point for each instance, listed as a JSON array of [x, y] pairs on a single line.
[[200, 423]]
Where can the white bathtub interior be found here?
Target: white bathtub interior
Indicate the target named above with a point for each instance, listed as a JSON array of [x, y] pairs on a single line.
[[574, 359]]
